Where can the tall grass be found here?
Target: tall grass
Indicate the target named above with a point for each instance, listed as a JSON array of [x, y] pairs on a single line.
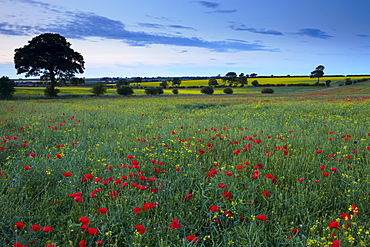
[[233, 171]]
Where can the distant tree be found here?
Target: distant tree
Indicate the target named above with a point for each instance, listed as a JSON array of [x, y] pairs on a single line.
[[207, 90], [230, 78], [253, 75], [153, 90], [175, 91], [99, 89], [138, 80], [50, 56], [176, 81], [163, 84], [267, 90], [122, 82], [327, 83], [77, 81], [6, 87], [228, 90], [348, 81], [255, 83], [212, 82], [125, 90], [317, 73], [242, 80]]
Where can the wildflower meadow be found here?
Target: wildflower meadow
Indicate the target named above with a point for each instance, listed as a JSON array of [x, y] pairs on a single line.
[[202, 170]]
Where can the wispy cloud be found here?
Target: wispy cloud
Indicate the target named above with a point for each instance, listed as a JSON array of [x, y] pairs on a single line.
[[82, 25], [221, 11], [314, 33], [242, 27], [207, 4], [363, 35]]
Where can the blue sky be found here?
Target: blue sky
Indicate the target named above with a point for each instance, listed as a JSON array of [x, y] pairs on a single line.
[[196, 38]]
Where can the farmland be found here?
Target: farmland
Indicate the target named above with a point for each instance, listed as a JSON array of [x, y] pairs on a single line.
[[187, 170]]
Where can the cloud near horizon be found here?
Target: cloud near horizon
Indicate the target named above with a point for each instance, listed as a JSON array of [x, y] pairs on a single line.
[[313, 33], [242, 27]]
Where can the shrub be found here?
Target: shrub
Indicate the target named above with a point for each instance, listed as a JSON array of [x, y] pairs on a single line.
[[327, 83], [228, 90], [267, 90], [99, 89], [175, 91], [207, 90], [348, 81], [125, 90], [255, 83], [153, 90], [6, 87], [48, 92]]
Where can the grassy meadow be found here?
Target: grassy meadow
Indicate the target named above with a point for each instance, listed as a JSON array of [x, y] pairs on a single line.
[[188, 170]]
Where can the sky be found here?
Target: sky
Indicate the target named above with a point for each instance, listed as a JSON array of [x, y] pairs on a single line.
[[150, 38]]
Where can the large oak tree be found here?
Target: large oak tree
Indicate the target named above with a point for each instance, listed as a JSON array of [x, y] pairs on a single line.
[[50, 56]]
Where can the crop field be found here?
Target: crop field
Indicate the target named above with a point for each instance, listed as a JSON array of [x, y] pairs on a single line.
[[190, 170]]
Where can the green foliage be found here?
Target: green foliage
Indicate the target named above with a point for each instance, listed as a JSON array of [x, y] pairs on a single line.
[[51, 57], [77, 81], [327, 83], [49, 92], [153, 90], [348, 81], [230, 78], [99, 89], [6, 87], [163, 84], [228, 90], [255, 83], [138, 80], [207, 90], [176, 82], [125, 90], [267, 90], [175, 91], [212, 82], [317, 73], [122, 82]]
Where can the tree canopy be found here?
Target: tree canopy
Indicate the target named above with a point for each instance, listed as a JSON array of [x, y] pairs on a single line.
[[318, 72], [50, 56]]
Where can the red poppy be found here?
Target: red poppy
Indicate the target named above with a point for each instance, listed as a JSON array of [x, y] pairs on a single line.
[[192, 238], [301, 180], [18, 245], [141, 229], [354, 209], [322, 168], [222, 185], [19, 225], [26, 167], [92, 231], [346, 217], [67, 174], [294, 231], [214, 208], [261, 217], [58, 156], [175, 224], [334, 224], [266, 193], [47, 229], [103, 210], [336, 243], [99, 242], [82, 243], [78, 199], [148, 206], [32, 155], [227, 195], [319, 151], [325, 174], [85, 221], [130, 157], [35, 228], [137, 210], [187, 197]]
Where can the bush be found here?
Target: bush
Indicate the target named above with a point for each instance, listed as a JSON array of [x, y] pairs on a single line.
[[348, 81], [99, 89], [175, 91], [207, 90], [6, 87], [153, 90], [228, 90], [48, 93], [327, 83], [267, 90], [125, 90], [255, 83]]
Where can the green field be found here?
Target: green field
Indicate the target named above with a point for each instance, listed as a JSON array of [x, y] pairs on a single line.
[[186, 170]]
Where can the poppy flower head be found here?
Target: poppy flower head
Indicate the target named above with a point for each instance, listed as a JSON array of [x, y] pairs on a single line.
[[334, 224], [19, 225], [92, 231], [192, 238], [261, 217], [175, 224], [140, 228], [137, 210], [47, 229], [103, 210], [36, 228], [214, 208], [227, 195]]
